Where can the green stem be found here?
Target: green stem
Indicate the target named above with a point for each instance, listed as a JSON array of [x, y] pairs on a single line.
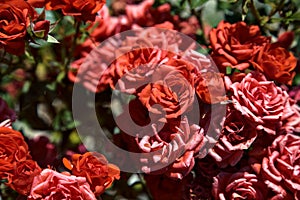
[[71, 52]]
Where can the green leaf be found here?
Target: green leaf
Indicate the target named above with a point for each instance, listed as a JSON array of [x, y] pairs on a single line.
[[228, 70], [197, 3], [51, 39], [26, 87], [245, 8], [60, 76]]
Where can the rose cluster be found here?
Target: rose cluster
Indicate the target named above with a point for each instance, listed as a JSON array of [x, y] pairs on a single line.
[[91, 172], [257, 155], [224, 124]]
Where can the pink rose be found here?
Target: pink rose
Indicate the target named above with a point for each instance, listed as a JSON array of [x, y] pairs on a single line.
[[176, 148], [259, 101], [291, 117], [281, 167], [54, 185], [239, 185]]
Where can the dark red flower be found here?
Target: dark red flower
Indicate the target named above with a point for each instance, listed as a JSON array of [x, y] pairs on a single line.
[[236, 137]]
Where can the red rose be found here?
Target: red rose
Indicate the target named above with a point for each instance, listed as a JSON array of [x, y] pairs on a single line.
[[94, 166], [210, 87], [23, 175], [171, 88], [13, 149], [82, 10], [237, 135], [260, 101], [239, 185], [233, 45], [15, 18], [50, 184], [281, 168], [276, 63]]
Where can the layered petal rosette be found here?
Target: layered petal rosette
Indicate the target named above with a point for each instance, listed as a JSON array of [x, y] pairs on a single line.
[[15, 18], [276, 63], [260, 101], [175, 149], [236, 137], [234, 45], [95, 168], [239, 185], [281, 168], [13, 149], [50, 184], [23, 175]]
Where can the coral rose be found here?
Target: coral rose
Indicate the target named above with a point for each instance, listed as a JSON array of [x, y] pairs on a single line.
[[281, 168], [13, 149], [23, 175], [233, 45], [15, 18], [276, 63], [260, 101], [82, 10], [239, 185], [99, 173], [50, 184]]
